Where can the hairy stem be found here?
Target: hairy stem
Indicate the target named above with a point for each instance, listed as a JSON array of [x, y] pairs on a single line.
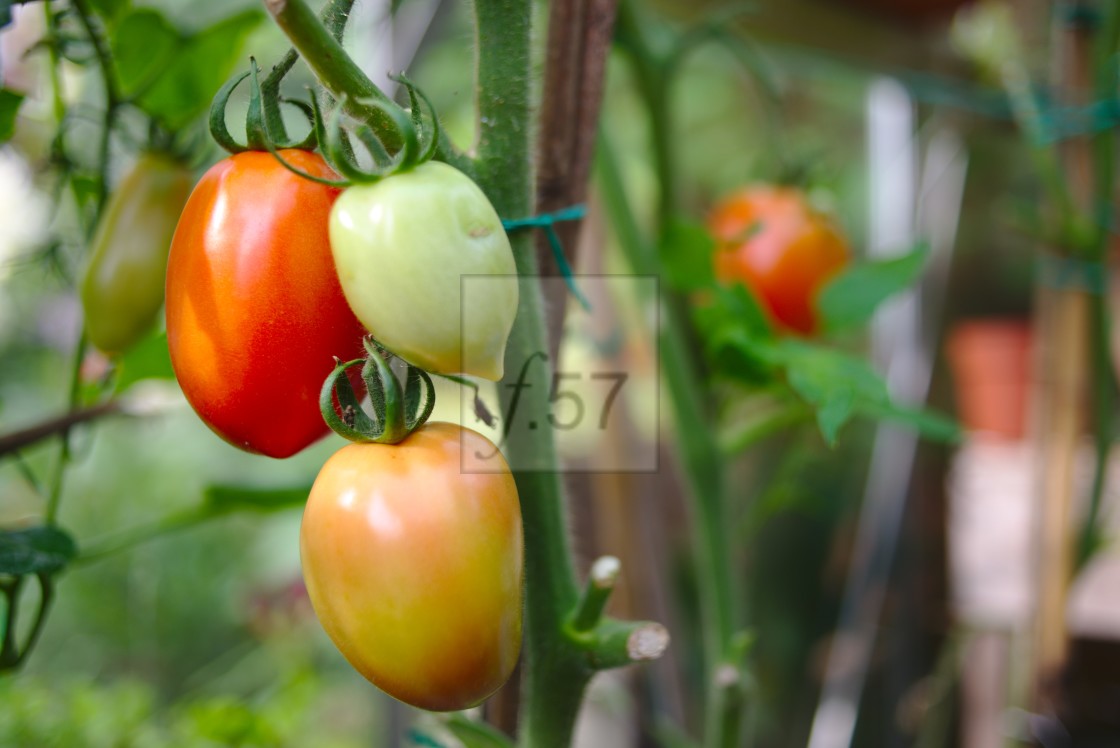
[[555, 674], [700, 458], [18, 440], [342, 77]]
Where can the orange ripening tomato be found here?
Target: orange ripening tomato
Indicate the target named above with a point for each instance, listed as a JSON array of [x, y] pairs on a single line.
[[414, 567], [771, 240], [255, 312]]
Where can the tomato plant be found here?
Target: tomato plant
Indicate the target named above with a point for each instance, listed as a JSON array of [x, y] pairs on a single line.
[[122, 288], [255, 314], [402, 246], [774, 242], [414, 567]]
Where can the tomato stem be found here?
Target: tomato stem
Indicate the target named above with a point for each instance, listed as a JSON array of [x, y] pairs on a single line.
[[338, 72], [332, 66], [701, 460], [334, 17], [600, 585], [556, 672]]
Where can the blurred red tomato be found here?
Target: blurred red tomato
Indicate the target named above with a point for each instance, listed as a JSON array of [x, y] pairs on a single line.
[[771, 240]]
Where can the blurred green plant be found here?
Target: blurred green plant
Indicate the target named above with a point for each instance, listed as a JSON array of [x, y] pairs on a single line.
[[127, 713]]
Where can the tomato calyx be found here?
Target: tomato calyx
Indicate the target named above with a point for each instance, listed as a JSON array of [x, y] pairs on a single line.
[[263, 120], [419, 140], [264, 125], [396, 411]]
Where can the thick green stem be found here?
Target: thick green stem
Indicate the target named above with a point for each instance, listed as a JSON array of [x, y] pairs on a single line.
[[112, 99], [112, 107], [1104, 384], [331, 65], [555, 673], [58, 104], [334, 17], [701, 455], [652, 69], [73, 398], [340, 75], [701, 458]]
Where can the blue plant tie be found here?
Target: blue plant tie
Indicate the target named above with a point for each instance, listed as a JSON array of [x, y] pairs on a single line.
[[1078, 14], [547, 222], [1057, 271], [422, 739]]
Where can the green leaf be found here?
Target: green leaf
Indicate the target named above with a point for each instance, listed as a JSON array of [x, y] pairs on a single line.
[[6, 10], [35, 550], [172, 75], [85, 188], [476, 734], [110, 10], [224, 499], [737, 337], [148, 359], [143, 44], [851, 298], [9, 107], [733, 307], [686, 256], [932, 425], [836, 384]]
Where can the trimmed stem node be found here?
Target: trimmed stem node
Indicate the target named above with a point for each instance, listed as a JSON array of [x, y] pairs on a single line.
[[605, 571], [648, 643], [727, 677], [396, 411]]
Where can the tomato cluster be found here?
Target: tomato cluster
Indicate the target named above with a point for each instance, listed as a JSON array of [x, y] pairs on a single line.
[[771, 240], [413, 566]]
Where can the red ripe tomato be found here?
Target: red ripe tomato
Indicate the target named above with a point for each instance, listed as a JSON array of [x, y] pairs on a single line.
[[414, 567], [255, 312], [774, 242]]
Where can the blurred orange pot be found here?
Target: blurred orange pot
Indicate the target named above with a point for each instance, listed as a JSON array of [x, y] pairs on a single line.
[[990, 361]]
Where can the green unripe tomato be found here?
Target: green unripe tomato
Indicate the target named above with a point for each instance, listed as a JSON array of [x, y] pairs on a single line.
[[402, 246], [122, 288]]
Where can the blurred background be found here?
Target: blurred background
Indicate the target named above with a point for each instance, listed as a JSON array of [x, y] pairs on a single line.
[[889, 582]]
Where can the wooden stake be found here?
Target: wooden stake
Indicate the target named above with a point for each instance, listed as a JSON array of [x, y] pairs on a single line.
[[1061, 365]]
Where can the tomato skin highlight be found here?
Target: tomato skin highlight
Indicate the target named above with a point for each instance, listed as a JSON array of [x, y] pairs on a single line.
[[255, 314], [122, 287], [402, 246], [771, 240], [415, 568]]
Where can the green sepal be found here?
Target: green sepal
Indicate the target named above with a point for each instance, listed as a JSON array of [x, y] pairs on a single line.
[[339, 156], [219, 131], [417, 407], [257, 129], [415, 95], [261, 118], [396, 411], [419, 144]]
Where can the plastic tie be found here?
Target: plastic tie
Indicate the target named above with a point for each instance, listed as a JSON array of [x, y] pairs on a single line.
[[422, 739], [1057, 271], [548, 221], [1078, 14]]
